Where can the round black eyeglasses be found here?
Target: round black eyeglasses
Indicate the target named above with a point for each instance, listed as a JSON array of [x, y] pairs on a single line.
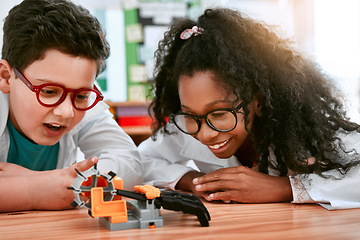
[[221, 120]]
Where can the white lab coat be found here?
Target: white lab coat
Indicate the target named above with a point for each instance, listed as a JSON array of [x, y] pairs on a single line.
[[168, 158], [97, 134]]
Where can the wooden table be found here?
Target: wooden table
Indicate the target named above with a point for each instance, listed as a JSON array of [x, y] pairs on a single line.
[[229, 221]]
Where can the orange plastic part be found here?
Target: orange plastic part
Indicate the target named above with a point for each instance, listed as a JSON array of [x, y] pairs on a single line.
[[101, 182], [150, 192], [118, 184], [151, 226], [115, 209]]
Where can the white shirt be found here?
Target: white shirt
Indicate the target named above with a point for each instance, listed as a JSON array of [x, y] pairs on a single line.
[[97, 134], [168, 158]]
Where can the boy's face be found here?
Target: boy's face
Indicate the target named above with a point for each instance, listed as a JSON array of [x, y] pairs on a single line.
[[46, 125]]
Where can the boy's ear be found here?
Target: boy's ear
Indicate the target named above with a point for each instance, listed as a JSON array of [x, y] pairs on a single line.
[[5, 75]]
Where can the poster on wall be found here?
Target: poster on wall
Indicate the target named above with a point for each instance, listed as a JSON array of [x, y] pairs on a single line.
[[146, 21]]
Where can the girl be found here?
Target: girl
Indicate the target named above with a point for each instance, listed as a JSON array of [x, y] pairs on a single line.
[[250, 119]]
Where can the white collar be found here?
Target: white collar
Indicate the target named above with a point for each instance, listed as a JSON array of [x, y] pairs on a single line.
[[4, 111]]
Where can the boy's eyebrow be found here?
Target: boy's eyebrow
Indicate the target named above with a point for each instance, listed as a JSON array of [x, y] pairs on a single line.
[[41, 79], [45, 80], [54, 82]]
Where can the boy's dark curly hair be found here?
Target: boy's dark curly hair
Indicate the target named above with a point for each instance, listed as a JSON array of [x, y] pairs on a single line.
[[301, 112], [35, 26]]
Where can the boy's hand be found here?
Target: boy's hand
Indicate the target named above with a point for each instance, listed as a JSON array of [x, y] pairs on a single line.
[[56, 195], [242, 184], [23, 189]]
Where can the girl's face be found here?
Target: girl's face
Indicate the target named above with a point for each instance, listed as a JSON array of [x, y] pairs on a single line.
[[200, 94], [46, 125]]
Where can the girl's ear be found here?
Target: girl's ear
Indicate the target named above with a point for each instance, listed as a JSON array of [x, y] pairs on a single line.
[[258, 105], [258, 109], [5, 75]]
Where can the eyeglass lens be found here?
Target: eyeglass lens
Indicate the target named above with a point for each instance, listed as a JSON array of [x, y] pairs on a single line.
[[52, 94], [221, 120]]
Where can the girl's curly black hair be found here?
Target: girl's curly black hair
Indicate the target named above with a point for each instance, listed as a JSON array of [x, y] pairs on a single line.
[[301, 112]]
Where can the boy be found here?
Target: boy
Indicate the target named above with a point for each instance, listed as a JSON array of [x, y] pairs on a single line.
[[52, 52]]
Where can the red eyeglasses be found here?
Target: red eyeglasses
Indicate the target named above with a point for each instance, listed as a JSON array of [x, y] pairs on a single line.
[[51, 95]]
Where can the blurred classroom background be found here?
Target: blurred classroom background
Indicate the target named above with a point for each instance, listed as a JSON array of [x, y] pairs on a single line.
[[327, 30]]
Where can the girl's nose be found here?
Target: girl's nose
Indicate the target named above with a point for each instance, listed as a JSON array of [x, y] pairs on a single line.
[[206, 133]]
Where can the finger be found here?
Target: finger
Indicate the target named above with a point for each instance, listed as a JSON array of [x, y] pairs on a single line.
[[206, 196], [221, 181], [219, 185], [86, 164], [220, 174], [226, 196]]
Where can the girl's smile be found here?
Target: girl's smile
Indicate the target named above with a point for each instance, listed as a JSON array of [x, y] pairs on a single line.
[[217, 146]]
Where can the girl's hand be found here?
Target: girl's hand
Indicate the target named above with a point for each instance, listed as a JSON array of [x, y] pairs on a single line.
[[242, 184], [186, 183]]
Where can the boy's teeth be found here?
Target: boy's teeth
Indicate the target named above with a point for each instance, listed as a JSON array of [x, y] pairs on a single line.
[[217, 146], [54, 126]]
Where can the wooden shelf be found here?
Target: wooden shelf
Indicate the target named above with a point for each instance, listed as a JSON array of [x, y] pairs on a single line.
[[137, 130], [127, 104], [137, 133]]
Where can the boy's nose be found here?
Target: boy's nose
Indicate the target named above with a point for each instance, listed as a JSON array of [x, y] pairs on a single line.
[[65, 109]]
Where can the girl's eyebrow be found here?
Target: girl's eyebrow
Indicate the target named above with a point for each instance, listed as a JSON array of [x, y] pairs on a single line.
[[218, 101], [183, 106], [211, 103]]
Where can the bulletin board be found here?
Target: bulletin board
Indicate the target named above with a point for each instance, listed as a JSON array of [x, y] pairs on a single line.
[[145, 24]]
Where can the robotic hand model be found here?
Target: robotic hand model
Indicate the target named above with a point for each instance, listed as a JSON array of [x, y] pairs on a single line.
[[105, 191]]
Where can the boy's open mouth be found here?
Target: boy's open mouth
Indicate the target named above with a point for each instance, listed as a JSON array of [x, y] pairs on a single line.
[[53, 126]]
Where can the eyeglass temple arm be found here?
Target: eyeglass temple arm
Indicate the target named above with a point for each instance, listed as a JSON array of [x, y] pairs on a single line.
[[23, 78], [101, 95]]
